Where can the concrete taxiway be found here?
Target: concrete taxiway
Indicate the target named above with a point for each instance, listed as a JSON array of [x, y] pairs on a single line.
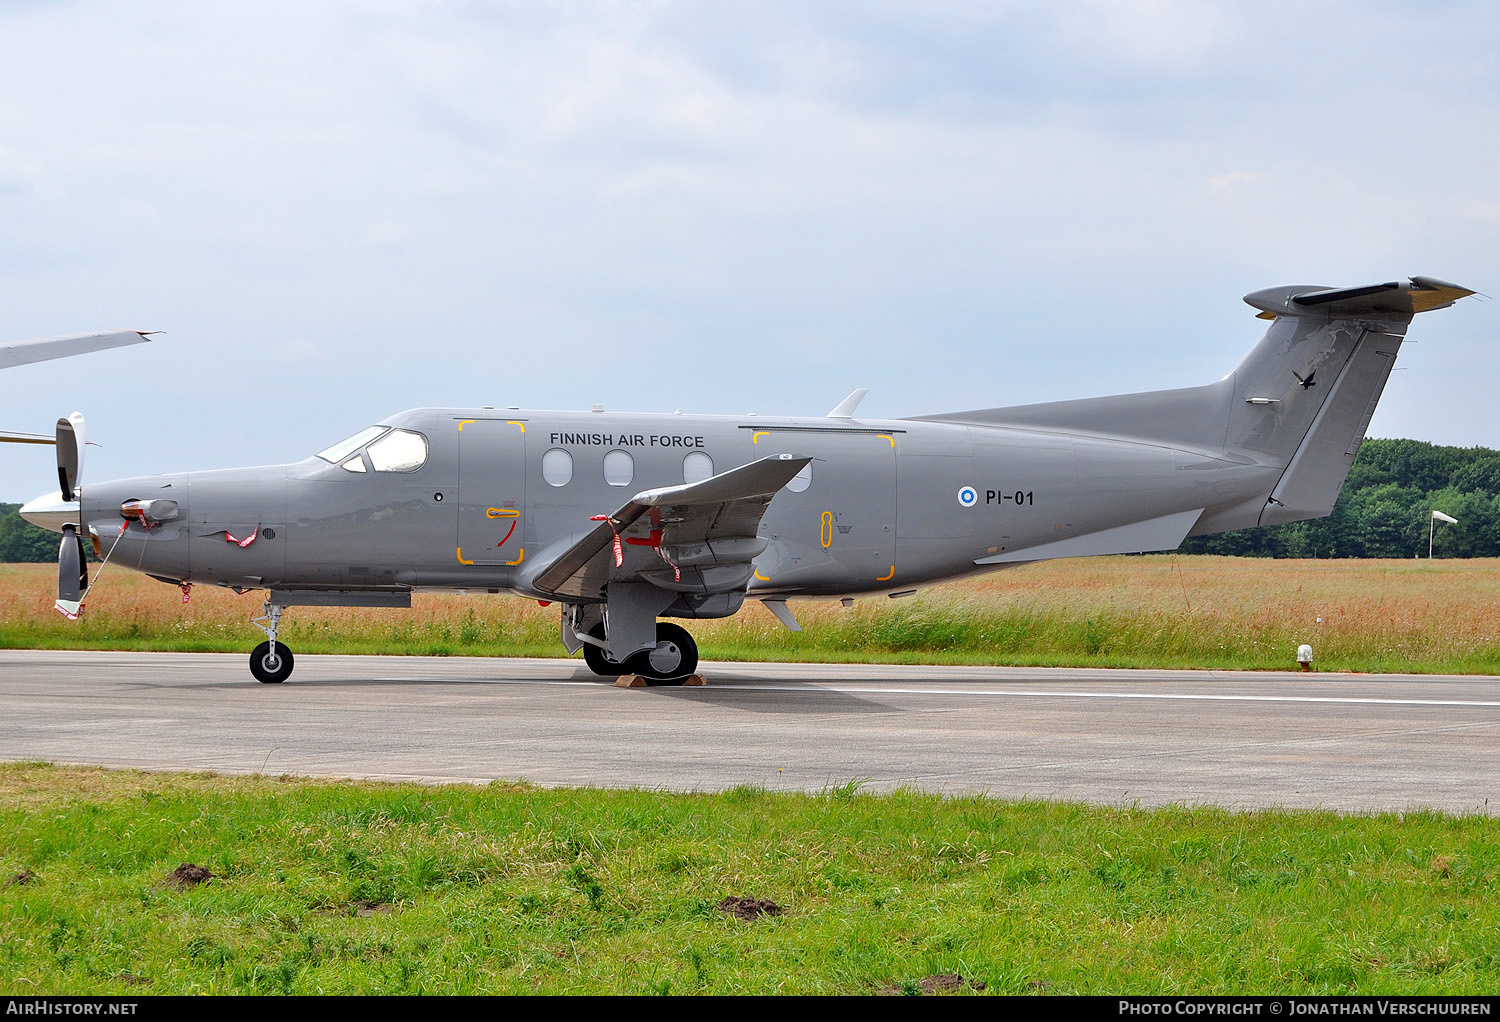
[[1345, 742]]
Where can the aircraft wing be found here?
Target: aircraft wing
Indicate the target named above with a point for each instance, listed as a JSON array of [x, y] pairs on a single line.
[[8, 437], [40, 349], [695, 538]]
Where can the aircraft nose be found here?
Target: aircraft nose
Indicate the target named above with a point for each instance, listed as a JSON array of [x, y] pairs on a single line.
[[50, 512]]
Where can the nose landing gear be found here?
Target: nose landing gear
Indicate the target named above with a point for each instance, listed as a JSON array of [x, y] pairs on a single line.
[[270, 662]]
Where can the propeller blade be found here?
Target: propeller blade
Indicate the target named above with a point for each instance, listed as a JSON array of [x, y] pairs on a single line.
[[70, 455], [72, 573]]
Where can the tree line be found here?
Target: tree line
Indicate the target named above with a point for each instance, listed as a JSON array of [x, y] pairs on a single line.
[[1383, 511]]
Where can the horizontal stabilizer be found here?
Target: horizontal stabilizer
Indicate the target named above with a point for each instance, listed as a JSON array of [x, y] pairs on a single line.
[[1164, 533], [1419, 294]]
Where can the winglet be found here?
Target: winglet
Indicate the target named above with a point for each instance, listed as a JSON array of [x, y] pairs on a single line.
[[845, 409]]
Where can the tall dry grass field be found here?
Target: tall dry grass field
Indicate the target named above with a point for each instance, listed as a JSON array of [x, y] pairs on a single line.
[[1164, 611]]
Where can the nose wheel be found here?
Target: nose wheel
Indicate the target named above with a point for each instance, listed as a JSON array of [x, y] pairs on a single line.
[[271, 661]]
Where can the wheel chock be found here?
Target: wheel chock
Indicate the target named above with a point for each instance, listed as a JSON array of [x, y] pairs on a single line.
[[636, 681]]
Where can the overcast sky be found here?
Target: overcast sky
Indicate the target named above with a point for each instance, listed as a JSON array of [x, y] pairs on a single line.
[[339, 210]]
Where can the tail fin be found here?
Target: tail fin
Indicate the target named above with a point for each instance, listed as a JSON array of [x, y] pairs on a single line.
[[1296, 409], [1304, 396]]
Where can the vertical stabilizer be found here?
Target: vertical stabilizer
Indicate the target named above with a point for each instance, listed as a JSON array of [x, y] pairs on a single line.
[[1304, 396]]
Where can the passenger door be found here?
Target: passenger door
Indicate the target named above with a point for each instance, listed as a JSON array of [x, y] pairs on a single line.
[[491, 491]]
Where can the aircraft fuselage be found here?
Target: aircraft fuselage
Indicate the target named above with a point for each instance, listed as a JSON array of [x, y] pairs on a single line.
[[888, 504]]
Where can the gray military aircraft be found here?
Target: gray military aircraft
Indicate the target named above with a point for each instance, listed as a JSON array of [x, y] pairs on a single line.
[[623, 519]]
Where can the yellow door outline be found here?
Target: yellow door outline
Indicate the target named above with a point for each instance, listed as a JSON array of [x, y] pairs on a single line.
[[495, 512]]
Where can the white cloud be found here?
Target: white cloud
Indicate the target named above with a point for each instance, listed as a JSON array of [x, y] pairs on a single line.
[[956, 204]]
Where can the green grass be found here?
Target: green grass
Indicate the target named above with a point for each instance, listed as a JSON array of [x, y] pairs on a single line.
[[510, 888], [1156, 611]]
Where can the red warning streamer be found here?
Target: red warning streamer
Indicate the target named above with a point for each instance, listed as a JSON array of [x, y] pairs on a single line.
[[619, 551], [654, 541]]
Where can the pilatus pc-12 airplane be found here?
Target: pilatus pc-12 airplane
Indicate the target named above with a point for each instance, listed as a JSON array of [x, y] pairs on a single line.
[[625, 519]]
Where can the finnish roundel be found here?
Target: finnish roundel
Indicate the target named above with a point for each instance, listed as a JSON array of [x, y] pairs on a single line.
[[968, 496]]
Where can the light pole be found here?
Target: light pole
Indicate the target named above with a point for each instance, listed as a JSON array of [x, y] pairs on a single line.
[[1437, 516]]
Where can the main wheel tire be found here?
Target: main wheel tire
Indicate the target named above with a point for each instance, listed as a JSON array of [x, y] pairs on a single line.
[[269, 668], [673, 660], [596, 659]]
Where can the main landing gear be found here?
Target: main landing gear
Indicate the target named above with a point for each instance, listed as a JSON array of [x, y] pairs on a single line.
[[671, 662], [271, 662]]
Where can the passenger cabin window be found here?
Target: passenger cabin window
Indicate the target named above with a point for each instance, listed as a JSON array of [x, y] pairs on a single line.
[[557, 467], [619, 468], [802, 480], [399, 451], [341, 450], [697, 467]]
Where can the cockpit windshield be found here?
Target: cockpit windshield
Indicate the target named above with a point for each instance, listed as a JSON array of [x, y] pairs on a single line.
[[399, 451], [339, 451]]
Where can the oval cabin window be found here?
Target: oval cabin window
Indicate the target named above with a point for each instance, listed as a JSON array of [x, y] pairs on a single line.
[[697, 467], [557, 467], [619, 468]]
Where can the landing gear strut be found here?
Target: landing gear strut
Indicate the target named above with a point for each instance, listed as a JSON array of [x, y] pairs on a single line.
[[271, 661], [598, 660]]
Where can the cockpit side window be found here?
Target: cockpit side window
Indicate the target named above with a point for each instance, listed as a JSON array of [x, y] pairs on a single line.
[[399, 450], [341, 450]]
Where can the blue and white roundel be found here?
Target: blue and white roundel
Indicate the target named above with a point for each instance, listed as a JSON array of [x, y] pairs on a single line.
[[968, 496]]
